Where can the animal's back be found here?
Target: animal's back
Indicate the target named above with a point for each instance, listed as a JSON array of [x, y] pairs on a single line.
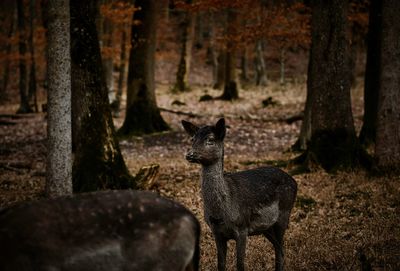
[[262, 185], [97, 231]]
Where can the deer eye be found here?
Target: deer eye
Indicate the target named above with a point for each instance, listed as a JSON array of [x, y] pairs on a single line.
[[210, 141]]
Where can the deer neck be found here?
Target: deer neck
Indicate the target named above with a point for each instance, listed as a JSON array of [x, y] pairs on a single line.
[[213, 185]]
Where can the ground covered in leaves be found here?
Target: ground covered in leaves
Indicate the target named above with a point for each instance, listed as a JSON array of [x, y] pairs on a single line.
[[343, 221]]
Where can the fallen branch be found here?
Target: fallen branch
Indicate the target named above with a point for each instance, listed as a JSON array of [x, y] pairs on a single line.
[[247, 116], [190, 114], [15, 164]]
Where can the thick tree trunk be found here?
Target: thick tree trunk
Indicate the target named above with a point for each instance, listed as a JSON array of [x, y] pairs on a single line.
[[187, 36], [98, 163], [24, 102], [387, 148], [231, 84], [142, 113], [333, 143], [59, 135], [372, 70]]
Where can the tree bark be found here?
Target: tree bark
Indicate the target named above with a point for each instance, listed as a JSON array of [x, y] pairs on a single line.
[[187, 36], [142, 113], [259, 63], [219, 69], [24, 102], [282, 62], [108, 63], [244, 66], [59, 135], [372, 71], [6, 72], [116, 105], [333, 143], [32, 92], [305, 130], [98, 163], [387, 148], [231, 84]]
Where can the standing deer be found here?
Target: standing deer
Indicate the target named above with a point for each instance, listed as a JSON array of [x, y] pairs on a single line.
[[110, 230], [237, 205]]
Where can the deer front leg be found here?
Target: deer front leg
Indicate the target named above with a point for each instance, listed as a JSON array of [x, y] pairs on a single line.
[[221, 243], [241, 240]]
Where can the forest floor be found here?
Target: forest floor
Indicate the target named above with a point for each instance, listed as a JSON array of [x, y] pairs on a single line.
[[341, 221]]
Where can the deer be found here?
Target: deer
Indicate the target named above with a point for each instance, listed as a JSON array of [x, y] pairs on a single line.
[[106, 230], [241, 204]]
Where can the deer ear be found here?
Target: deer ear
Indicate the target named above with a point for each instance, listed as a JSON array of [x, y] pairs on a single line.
[[220, 129], [190, 128]]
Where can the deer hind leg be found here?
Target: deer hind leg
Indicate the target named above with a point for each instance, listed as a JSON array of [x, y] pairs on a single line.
[[275, 236]]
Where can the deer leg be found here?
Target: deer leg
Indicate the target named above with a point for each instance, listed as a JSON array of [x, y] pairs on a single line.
[[221, 243], [275, 236], [241, 240]]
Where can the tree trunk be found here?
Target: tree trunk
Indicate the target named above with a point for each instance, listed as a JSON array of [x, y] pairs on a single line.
[[305, 130], [108, 63], [116, 105], [231, 85], [244, 66], [219, 70], [59, 135], [387, 148], [333, 142], [98, 163], [259, 63], [182, 74], [212, 56], [6, 73], [142, 113], [372, 70], [32, 92], [24, 102], [199, 30], [282, 61]]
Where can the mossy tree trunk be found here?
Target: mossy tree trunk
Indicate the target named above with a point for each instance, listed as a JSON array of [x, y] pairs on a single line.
[[231, 83], [187, 36], [387, 147], [372, 70], [333, 143], [142, 113], [98, 163]]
